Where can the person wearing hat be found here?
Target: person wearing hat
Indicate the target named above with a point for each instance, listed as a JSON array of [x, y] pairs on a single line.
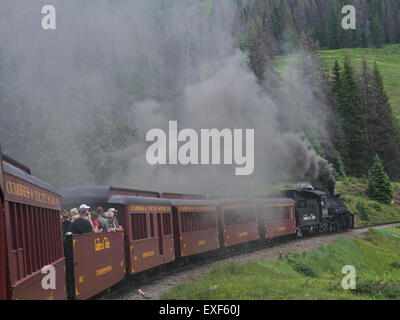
[[113, 221], [65, 222], [83, 223], [108, 217]]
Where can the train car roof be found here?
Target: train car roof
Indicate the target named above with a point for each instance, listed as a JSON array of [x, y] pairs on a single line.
[[16, 163], [24, 175], [256, 200], [188, 196], [222, 197], [117, 199], [74, 197], [140, 192], [193, 203]]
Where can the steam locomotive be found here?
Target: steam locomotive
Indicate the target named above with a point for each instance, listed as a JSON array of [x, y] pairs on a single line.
[[319, 212]]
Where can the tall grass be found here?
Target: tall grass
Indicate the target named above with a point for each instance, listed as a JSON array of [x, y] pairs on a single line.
[[316, 274]]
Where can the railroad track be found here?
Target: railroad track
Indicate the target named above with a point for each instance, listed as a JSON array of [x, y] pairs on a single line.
[[171, 269]]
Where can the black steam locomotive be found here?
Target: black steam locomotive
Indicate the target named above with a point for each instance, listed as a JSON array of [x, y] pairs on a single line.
[[319, 212]]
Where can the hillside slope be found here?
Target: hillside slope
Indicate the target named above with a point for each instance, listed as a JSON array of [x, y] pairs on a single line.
[[388, 60]]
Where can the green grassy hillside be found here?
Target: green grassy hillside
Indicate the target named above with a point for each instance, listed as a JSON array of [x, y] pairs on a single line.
[[316, 274], [368, 212], [387, 58]]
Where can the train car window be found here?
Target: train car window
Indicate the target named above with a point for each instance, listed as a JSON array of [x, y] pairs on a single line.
[[35, 240], [285, 213], [211, 220], [239, 216], [277, 213], [185, 217], [249, 215], [166, 219], [139, 228], [197, 221]]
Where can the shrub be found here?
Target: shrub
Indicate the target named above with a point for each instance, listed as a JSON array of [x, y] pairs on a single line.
[[303, 267], [371, 284], [362, 210]]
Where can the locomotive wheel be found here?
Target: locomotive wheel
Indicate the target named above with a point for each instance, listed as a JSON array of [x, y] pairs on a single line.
[[323, 228]]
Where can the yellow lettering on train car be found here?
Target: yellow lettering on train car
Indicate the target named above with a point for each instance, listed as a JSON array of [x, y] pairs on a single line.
[[201, 242], [282, 229], [101, 245], [198, 208], [104, 270], [243, 234], [138, 208], [21, 190], [148, 254]]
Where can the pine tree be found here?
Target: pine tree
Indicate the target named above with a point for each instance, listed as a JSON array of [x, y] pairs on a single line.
[[337, 118], [290, 35], [380, 121], [379, 187], [312, 138], [357, 147], [338, 166], [332, 28], [337, 82], [377, 32], [276, 24]]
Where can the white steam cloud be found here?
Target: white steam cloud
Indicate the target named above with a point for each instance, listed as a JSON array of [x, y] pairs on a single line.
[[143, 63]]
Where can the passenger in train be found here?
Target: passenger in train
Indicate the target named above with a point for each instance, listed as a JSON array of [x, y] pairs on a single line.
[[113, 221], [74, 213], [103, 221], [108, 215], [96, 225], [65, 222], [83, 223]]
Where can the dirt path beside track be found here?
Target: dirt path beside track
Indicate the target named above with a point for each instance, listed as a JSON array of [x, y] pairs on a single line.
[[155, 288]]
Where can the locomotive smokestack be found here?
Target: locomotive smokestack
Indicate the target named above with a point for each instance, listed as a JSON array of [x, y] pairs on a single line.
[[331, 186], [326, 178]]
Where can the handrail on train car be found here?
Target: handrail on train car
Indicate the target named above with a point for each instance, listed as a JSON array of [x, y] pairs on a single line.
[[3, 255]]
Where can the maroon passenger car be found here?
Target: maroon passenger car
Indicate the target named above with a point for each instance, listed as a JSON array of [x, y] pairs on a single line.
[[3, 249], [148, 231], [238, 220], [276, 217], [31, 221], [195, 227]]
